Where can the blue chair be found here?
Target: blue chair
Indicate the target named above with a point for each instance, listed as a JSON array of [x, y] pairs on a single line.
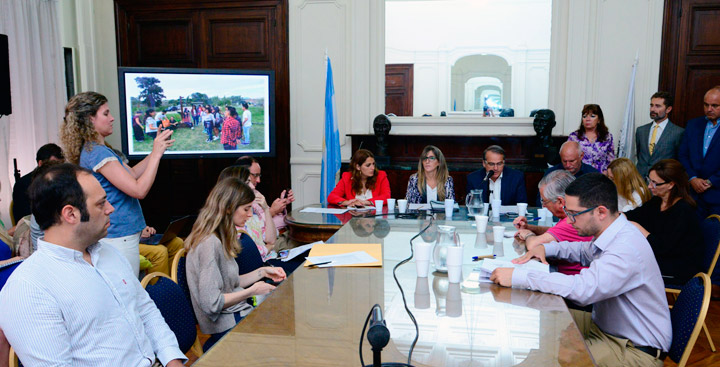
[[710, 228], [688, 316], [178, 273], [175, 309]]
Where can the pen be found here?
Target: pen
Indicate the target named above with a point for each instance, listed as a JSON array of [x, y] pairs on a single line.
[[478, 258], [318, 264]]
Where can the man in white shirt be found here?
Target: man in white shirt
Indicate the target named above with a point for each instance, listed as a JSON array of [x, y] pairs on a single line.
[[75, 302], [246, 123], [659, 139], [630, 323]]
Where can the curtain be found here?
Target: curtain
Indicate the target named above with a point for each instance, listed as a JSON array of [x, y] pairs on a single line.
[[37, 87]]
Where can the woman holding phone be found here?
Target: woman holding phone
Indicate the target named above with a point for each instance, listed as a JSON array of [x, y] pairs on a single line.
[[86, 124], [218, 292]]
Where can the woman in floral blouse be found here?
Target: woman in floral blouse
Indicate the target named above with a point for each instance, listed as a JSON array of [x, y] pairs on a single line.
[[594, 138], [432, 180]]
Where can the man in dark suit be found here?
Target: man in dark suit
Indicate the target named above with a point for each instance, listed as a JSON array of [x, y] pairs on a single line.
[[505, 184], [700, 154], [21, 200], [659, 139]]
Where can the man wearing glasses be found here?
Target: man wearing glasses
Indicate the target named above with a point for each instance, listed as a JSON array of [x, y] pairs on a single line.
[[630, 322], [506, 184]]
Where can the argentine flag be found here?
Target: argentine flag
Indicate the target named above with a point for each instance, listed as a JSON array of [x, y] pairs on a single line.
[[331, 140]]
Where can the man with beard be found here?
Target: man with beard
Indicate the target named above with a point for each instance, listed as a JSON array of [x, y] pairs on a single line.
[[659, 139]]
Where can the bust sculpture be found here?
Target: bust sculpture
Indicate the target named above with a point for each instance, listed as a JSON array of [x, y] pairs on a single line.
[[381, 126], [544, 152]]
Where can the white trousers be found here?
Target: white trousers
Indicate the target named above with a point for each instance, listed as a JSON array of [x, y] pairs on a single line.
[[129, 246]]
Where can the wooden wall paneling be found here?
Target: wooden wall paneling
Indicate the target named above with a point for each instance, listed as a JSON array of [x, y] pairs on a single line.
[[690, 61], [219, 34]]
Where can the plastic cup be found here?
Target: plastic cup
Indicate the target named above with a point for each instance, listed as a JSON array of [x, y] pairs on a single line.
[[481, 222], [378, 206], [498, 233], [454, 264], [391, 205], [402, 205], [422, 258], [485, 209], [522, 209], [498, 249], [422, 293], [496, 208]]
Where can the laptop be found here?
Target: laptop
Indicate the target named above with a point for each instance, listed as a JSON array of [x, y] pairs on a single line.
[[176, 228]]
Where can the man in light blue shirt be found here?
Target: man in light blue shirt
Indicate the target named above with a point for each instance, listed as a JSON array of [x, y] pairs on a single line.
[[630, 319], [75, 302]]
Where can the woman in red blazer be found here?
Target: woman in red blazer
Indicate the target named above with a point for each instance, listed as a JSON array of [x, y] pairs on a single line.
[[363, 184]]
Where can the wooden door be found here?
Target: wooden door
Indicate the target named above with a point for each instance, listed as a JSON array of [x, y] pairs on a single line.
[[690, 59], [399, 89]]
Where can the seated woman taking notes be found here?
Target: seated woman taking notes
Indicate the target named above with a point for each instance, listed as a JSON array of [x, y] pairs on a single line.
[[363, 184], [670, 223], [219, 295], [432, 180]]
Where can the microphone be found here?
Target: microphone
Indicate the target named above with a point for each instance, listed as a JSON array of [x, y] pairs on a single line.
[[378, 334], [488, 175]]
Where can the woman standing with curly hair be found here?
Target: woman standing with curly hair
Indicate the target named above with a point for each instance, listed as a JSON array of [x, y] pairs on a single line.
[[86, 124]]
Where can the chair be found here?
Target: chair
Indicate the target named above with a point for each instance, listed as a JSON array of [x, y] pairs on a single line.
[[710, 228], [12, 214], [687, 316], [178, 273], [14, 361], [175, 309]]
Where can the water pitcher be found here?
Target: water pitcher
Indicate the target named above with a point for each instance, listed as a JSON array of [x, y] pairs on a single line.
[[474, 202], [447, 236]]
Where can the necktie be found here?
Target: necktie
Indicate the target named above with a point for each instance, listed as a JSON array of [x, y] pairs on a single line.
[[653, 139]]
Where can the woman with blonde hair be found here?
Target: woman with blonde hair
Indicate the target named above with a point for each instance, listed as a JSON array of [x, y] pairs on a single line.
[[632, 191], [432, 180], [86, 124], [218, 292]]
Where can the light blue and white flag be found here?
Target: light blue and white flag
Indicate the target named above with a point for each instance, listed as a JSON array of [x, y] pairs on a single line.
[[627, 133], [331, 140]]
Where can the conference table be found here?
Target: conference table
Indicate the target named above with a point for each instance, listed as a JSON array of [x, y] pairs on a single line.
[[315, 317]]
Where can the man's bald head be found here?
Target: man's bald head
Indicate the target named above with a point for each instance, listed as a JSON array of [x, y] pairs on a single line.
[[571, 156], [711, 103]]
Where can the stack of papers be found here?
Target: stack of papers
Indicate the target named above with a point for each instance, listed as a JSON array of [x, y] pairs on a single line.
[[350, 254], [485, 270], [324, 210]]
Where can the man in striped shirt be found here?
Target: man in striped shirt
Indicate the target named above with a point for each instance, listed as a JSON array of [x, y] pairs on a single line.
[[75, 302]]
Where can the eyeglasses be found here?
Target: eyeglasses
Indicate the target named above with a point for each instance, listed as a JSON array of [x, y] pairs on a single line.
[[256, 175], [547, 201], [430, 158], [571, 216], [654, 184], [495, 165]]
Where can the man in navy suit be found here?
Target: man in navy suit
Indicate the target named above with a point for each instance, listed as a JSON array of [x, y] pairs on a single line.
[[700, 154], [505, 184]]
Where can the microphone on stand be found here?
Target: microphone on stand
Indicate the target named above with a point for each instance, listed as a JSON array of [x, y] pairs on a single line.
[[378, 334], [488, 175]]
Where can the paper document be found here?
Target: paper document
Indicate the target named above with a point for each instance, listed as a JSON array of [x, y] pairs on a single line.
[[324, 210], [374, 250], [352, 258], [416, 206], [504, 209], [295, 252], [488, 265]]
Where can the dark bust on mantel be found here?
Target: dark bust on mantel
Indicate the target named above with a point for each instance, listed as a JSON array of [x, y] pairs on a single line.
[[382, 126], [544, 153]]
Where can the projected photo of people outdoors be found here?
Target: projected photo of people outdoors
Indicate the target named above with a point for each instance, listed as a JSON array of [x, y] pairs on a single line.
[[209, 113]]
